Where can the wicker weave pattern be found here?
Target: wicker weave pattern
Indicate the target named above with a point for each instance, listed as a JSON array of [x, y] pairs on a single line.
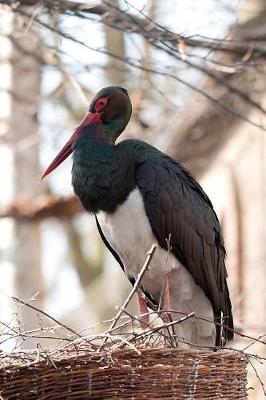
[[155, 374]]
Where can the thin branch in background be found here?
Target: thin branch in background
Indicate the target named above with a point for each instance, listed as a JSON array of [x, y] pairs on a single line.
[[222, 81], [257, 375], [75, 84], [136, 64], [131, 23], [173, 52], [46, 315], [254, 341]]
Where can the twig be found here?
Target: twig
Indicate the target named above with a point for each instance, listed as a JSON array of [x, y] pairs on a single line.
[[169, 324], [121, 19], [133, 291], [46, 315], [171, 50], [223, 326], [123, 341], [135, 64], [255, 340], [257, 375], [75, 83], [153, 330]]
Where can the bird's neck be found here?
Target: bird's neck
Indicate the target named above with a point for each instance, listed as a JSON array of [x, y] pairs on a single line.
[[111, 131], [102, 174]]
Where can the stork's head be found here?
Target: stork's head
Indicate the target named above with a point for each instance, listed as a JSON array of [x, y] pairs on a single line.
[[110, 109]]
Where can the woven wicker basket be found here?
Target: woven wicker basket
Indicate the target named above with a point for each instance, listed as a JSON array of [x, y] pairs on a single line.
[[125, 374]]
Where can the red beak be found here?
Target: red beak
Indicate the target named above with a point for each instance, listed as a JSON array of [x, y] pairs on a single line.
[[89, 119]]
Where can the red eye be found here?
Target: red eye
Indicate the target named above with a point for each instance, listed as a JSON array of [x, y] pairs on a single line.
[[100, 103]]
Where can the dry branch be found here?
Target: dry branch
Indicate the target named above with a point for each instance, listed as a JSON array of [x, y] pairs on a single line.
[[133, 291], [44, 206], [122, 19], [157, 35], [46, 315]]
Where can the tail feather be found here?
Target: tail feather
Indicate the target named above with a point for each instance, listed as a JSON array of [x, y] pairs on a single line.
[[224, 320]]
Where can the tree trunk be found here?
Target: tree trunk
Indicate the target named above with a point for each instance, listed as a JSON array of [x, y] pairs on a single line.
[[24, 138], [115, 70]]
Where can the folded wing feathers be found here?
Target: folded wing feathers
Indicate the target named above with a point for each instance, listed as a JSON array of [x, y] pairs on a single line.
[[187, 214]]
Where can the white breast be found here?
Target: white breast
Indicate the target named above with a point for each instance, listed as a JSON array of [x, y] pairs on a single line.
[[129, 233]]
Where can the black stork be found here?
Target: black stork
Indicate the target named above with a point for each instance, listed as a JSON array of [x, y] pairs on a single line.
[[139, 196]]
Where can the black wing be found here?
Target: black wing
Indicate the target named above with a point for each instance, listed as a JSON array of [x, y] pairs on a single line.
[[176, 205], [149, 299]]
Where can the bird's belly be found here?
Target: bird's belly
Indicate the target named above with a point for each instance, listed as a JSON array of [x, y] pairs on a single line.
[[129, 233]]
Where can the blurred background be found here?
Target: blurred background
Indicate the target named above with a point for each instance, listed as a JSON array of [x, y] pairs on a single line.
[[195, 72]]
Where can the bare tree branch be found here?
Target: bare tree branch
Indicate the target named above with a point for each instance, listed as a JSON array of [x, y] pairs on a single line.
[[136, 64], [44, 206], [132, 23]]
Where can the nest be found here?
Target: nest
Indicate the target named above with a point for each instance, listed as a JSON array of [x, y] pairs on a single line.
[[122, 363], [143, 373]]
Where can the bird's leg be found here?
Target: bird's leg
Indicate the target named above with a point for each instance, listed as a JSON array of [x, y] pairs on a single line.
[[144, 312], [166, 296], [166, 308]]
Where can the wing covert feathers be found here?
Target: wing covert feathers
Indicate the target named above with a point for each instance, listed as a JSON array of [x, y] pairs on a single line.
[[178, 209]]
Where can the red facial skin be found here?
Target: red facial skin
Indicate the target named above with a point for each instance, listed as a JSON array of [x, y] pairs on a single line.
[[91, 118]]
